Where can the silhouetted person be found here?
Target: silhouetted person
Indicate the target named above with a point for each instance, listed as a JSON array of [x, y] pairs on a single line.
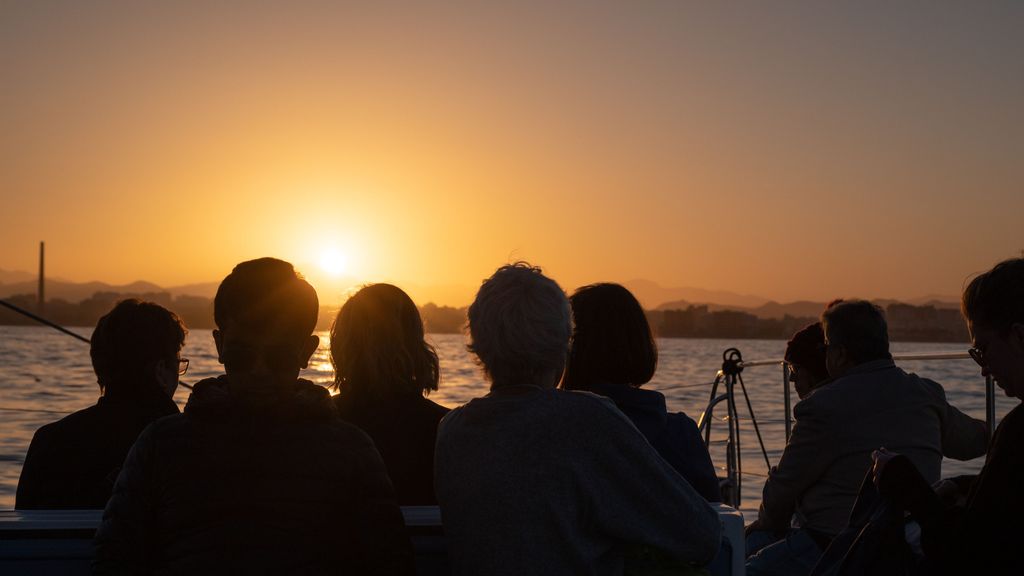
[[805, 354], [383, 367], [983, 535], [613, 353], [868, 403], [536, 480], [258, 475], [73, 463]]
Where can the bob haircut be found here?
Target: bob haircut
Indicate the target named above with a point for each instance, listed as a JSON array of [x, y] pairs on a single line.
[[995, 299], [612, 340], [378, 346], [860, 327], [266, 294], [807, 349], [519, 325], [129, 340]]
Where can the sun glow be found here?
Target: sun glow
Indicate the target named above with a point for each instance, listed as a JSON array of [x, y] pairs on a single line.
[[333, 263]]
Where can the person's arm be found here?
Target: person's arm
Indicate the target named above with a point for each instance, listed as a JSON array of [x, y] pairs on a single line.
[[634, 496], [700, 472], [124, 537], [963, 437], [808, 454]]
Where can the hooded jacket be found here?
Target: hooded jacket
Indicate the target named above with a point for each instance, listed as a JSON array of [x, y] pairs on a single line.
[[271, 483]]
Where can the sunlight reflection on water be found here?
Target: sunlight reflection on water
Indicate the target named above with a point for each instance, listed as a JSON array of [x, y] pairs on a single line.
[[44, 375]]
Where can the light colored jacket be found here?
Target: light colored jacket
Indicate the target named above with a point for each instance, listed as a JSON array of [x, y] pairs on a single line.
[[873, 405]]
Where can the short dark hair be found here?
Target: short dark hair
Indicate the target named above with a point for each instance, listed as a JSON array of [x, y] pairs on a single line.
[[129, 340], [612, 340], [266, 292], [807, 349], [519, 324], [378, 347], [860, 327], [995, 299]]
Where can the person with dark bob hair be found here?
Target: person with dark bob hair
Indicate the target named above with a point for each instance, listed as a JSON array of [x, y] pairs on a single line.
[[981, 532], [536, 480], [383, 367], [72, 463], [613, 353]]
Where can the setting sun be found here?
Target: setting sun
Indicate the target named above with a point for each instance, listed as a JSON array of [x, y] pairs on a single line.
[[332, 262]]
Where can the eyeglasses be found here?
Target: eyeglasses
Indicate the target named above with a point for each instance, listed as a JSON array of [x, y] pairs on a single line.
[[182, 366], [978, 355]]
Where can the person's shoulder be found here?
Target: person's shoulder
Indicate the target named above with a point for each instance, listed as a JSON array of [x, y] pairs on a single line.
[[72, 425]]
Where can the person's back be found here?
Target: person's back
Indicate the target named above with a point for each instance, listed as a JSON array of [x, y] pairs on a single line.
[[73, 463], [536, 481], [404, 430], [259, 475]]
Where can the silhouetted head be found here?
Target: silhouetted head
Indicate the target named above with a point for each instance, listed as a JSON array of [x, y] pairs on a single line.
[[378, 346], [265, 314], [612, 341], [805, 353], [135, 347], [993, 305], [855, 333], [519, 327]]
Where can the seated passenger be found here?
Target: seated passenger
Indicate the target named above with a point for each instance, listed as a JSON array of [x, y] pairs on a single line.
[[983, 535], [869, 403], [72, 463], [258, 475], [536, 480], [805, 354], [383, 367], [613, 353]]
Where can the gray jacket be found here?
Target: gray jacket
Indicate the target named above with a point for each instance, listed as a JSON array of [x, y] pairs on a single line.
[[539, 482], [837, 427]]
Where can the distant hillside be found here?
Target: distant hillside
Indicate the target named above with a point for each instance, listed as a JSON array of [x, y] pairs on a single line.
[[76, 292], [653, 295], [14, 276]]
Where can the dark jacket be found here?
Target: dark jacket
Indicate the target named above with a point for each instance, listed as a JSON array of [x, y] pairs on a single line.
[[252, 484], [404, 430], [983, 536], [674, 436], [73, 463]]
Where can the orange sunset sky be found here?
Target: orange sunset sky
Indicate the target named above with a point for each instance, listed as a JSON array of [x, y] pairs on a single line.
[[794, 150]]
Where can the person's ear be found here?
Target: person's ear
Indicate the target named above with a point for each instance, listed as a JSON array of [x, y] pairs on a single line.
[[312, 343], [218, 340]]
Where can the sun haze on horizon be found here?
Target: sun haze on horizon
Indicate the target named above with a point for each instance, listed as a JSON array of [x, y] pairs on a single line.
[[795, 152]]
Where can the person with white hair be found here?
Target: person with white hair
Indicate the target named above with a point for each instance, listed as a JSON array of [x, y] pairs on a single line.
[[536, 480]]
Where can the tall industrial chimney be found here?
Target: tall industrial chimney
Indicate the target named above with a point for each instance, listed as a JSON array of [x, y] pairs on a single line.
[[42, 278]]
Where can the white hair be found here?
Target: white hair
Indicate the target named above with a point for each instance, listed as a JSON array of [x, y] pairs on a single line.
[[519, 325]]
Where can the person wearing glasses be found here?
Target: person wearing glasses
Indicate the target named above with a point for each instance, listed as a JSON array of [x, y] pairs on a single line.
[[869, 402], [73, 463], [805, 354], [259, 475], [983, 533]]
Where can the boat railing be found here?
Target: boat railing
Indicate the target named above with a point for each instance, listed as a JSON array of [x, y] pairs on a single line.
[[730, 376]]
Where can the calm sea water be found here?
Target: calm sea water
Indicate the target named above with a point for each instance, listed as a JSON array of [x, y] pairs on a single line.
[[45, 375]]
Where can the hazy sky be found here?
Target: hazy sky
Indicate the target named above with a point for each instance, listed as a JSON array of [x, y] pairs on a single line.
[[789, 150]]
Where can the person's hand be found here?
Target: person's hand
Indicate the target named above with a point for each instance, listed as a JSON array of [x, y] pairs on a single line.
[[881, 457], [949, 492]]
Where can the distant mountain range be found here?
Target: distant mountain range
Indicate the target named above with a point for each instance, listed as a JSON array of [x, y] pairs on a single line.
[[651, 295]]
